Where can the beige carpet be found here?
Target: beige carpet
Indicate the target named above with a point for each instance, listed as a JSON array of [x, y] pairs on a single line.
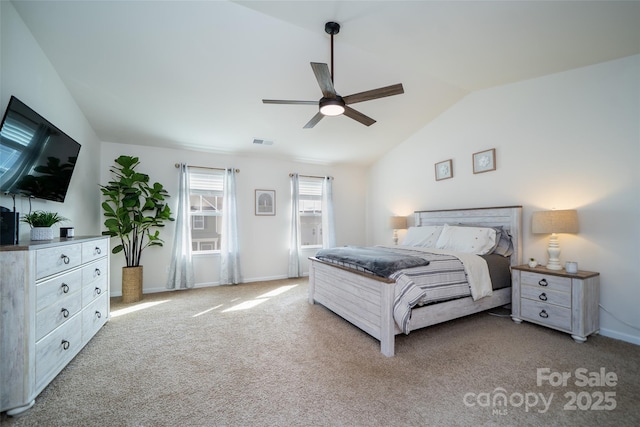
[[236, 356]]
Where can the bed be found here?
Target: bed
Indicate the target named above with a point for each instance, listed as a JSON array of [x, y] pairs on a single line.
[[367, 300]]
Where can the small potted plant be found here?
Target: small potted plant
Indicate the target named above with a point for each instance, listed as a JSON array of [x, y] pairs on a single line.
[[41, 223], [533, 263]]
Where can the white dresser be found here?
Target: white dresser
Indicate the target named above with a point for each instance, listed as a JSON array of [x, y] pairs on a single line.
[[54, 297]]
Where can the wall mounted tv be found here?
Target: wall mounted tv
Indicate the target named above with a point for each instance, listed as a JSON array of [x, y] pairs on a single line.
[[36, 158]]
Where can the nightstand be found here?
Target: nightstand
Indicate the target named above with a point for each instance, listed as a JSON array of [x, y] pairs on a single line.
[[564, 301]]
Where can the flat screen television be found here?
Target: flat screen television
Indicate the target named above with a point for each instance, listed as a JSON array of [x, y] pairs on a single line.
[[36, 158]]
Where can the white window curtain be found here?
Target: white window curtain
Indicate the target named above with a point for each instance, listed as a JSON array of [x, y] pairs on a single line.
[[181, 267], [229, 254], [328, 223], [295, 269]]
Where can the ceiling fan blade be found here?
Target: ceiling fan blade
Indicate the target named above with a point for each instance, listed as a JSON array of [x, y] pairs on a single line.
[[314, 120], [323, 76], [368, 95], [283, 101], [358, 116]]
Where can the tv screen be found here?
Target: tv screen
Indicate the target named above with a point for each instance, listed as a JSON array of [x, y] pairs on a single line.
[[36, 158]]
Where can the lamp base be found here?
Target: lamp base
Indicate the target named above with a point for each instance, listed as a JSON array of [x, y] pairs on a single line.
[[554, 253]]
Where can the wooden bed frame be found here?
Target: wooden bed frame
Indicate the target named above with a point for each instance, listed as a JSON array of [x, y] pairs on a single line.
[[367, 301]]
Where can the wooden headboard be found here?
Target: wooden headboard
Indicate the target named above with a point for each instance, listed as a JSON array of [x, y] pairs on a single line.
[[509, 217]]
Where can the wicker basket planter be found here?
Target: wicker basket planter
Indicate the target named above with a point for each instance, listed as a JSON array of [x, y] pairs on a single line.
[[131, 284], [41, 233]]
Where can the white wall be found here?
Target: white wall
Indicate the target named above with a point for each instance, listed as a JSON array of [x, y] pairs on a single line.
[[264, 240], [27, 73], [564, 141]]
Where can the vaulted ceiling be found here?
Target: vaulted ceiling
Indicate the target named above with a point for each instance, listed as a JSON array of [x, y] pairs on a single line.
[[192, 74]]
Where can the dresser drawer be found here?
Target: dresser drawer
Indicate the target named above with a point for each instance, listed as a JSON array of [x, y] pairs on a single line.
[[95, 249], [58, 313], [55, 260], [546, 281], [546, 314], [57, 349], [94, 289], [94, 316], [550, 296], [54, 290], [95, 271]]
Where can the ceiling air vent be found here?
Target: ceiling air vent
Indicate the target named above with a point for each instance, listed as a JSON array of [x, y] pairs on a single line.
[[262, 141]]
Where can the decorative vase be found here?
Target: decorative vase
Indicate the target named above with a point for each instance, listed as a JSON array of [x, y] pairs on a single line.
[[41, 233], [131, 284], [533, 263]]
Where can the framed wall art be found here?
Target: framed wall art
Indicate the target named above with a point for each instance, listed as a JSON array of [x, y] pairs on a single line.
[[484, 161], [444, 170], [265, 202]]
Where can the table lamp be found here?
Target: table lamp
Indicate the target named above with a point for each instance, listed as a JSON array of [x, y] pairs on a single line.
[[398, 223], [554, 222]]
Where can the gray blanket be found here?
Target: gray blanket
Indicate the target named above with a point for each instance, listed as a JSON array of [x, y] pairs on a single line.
[[374, 260]]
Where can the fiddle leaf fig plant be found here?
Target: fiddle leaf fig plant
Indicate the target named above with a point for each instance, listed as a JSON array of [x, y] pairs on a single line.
[[134, 209]]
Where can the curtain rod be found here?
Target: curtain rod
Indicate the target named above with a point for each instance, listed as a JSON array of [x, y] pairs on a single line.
[[177, 165], [312, 176]]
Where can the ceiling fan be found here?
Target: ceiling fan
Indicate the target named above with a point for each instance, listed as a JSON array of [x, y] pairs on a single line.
[[332, 104]]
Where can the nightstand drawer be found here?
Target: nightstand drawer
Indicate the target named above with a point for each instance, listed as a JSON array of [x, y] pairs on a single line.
[[549, 296], [546, 314], [546, 281]]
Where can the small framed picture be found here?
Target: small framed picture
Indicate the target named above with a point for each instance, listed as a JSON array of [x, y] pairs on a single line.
[[265, 202], [444, 170], [484, 161]]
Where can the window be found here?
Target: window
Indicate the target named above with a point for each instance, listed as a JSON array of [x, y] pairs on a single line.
[[310, 210], [205, 201]]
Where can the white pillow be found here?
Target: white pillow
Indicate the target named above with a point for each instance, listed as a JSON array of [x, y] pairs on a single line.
[[426, 236], [473, 240]]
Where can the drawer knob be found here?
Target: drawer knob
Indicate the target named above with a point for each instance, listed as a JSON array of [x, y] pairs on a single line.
[[98, 291], [65, 288], [65, 258], [65, 344], [544, 314], [98, 314], [543, 282], [65, 312], [543, 297], [96, 272], [97, 251]]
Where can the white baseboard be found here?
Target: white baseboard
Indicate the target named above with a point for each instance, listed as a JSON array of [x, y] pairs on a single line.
[[620, 336], [206, 285]]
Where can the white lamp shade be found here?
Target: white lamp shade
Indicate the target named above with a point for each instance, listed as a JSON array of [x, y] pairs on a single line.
[[398, 222], [548, 222]]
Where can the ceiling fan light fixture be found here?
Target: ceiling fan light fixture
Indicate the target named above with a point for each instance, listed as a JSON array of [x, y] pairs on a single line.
[[331, 106]]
